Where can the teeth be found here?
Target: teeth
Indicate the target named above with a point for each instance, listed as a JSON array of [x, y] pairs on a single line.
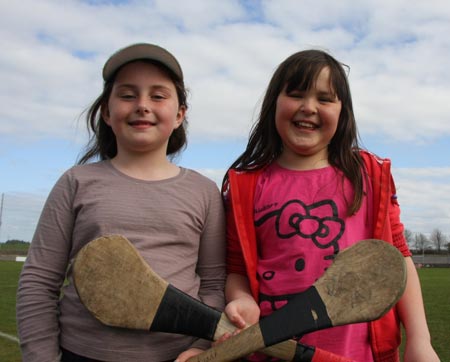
[[305, 125]]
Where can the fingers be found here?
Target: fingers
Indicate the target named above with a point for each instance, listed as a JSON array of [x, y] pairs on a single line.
[[242, 312], [224, 337], [231, 310], [238, 321], [183, 357]]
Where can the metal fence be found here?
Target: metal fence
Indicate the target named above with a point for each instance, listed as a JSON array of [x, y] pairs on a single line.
[[432, 261]]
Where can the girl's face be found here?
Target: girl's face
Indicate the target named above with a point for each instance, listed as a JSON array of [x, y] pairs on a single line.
[[143, 109], [306, 122]]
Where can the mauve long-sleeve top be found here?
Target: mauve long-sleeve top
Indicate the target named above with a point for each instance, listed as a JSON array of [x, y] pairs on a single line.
[[176, 224]]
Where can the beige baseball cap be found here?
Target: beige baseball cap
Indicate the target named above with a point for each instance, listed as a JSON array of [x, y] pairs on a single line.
[[141, 51]]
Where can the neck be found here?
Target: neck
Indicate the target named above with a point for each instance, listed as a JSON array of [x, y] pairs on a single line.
[[299, 162], [147, 167]]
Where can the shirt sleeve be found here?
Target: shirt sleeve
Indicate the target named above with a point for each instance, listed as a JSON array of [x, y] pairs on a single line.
[[211, 258], [43, 275], [398, 235], [235, 258]]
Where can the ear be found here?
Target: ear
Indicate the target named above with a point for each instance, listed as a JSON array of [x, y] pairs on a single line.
[[104, 110], [180, 116]]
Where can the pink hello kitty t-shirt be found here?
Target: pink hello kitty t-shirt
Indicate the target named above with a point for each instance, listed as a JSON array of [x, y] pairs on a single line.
[[301, 224]]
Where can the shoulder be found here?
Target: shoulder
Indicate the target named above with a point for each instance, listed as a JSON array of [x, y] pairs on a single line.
[[195, 183], [201, 179], [197, 189], [245, 175], [69, 183], [372, 159], [88, 168], [82, 173], [240, 181]]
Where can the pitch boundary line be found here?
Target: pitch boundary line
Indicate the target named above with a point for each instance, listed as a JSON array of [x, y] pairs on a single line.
[[9, 337]]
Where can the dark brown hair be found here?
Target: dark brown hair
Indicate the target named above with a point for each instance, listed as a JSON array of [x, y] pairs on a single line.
[[300, 71], [102, 142]]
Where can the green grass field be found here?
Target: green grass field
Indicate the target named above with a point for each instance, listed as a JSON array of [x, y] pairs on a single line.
[[14, 249], [436, 294], [9, 276], [435, 288]]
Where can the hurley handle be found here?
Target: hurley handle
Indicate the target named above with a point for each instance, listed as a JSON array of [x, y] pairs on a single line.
[[246, 342], [288, 350]]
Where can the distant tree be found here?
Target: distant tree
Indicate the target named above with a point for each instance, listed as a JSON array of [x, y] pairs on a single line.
[[409, 236], [421, 241], [438, 239], [14, 247], [16, 242]]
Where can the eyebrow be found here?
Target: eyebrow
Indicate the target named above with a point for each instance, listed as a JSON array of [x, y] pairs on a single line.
[[134, 86], [328, 92]]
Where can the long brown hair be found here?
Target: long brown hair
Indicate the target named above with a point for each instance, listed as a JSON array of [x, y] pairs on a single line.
[[300, 71], [102, 142]]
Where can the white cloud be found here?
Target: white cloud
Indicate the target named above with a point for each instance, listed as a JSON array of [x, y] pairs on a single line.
[[397, 53], [424, 197], [20, 215], [229, 59]]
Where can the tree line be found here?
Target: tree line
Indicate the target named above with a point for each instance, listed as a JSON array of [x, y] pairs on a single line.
[[437, 242], [16, 242]]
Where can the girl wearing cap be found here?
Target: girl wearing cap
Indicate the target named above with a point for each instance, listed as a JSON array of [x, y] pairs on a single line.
[[172, 215]]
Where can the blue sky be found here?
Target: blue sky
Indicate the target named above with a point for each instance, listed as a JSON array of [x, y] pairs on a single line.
[[50, 71]]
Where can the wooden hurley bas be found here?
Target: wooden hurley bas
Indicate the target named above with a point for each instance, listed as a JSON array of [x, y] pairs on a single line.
[[120, 289], [363, 283]]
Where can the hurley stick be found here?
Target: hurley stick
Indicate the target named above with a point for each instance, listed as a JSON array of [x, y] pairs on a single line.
[[120, 289], [364, 282]]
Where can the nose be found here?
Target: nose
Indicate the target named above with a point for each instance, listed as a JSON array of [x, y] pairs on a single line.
[[143, 107], [308, 105]]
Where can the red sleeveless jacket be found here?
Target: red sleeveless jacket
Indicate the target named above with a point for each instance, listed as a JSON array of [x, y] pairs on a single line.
[[242, 246]]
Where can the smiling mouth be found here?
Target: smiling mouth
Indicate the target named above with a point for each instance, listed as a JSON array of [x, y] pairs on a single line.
[[141, 123], [305, 125]]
